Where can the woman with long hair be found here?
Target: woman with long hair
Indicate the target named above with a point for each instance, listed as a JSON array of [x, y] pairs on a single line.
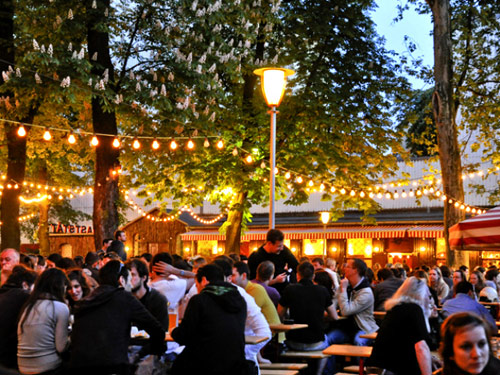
[[43, 326], [437, 283], [476, 278], [408, 312], [78, 286], [465, 347]]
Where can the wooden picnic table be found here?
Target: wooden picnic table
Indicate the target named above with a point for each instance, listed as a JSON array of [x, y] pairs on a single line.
[[379, 314], [351, 351], [251, 340], [275, 328], [371, 336]]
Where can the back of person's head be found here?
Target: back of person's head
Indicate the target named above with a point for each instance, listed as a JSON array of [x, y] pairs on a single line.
[[182, 265], [54, 257], [384, 274], [235, 257], [360, 266], [274, 235], [413, 290], [321, 277], [422, 275], [463, 268], [26, 260], [242, 268], [79, 261], [265, 271], [480, 269], [225, 258], [66, 263], [41, 260], [455, 323], [161, 257], [396, 272], [464, 287], [147, 256], [318, 260], [224, 265], [331, 263], [370, 275], [141, 268], [425, 268], [305, 270], [491, 274], [212, 272], [445, 271], [21, 276], [111, 272], [243, 258], [91, 258], [198, 262], [107, 241]]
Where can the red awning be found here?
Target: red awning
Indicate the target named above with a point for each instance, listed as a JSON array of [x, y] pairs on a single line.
[[373, 231], [481, 232]]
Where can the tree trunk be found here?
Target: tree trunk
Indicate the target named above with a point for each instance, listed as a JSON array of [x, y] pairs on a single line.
[[235, 218], [106, 193], [43, 215], [444, 114]]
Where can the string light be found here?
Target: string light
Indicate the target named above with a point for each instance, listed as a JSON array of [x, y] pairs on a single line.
[[155, 145], [116, 143], [249, 159], [190, 144], [71, 139], [206, 144], [46, 135], [220, 144], [136, 144], [21, 132], [94, 141], [173, 145]]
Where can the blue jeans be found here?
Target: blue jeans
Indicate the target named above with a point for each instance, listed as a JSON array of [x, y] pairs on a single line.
[[337, 336]]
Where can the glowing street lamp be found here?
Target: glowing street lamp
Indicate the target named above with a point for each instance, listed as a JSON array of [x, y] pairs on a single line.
[[273, 82], [325, 219]]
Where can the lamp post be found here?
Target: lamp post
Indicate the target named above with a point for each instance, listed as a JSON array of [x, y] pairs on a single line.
[[325, 219], [273, 82]]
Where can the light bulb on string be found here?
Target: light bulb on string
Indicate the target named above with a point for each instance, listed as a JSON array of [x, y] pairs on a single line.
[[46, 135], [235, 151], [136, 144], [263, 165], [155, 145], [249, 159], [220, 144], [173, 144], [206, 143], [116, 143], [287, 175], [190, 144], [94, 141], [300, 180], [21, 132], [71, 139], [352, 193], [342, 191]]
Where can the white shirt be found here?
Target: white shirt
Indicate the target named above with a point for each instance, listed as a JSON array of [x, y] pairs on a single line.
[[172, 288], [255, 325]]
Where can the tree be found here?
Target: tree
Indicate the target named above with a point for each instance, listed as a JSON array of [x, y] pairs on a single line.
[[334, 124]]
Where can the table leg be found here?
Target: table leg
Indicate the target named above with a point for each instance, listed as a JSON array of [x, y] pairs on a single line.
[[361, 366]]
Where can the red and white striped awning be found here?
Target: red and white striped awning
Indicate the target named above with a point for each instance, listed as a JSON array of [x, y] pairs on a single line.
[[373, 231], [481, 232]]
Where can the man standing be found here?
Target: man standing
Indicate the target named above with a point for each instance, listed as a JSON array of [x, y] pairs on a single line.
[[212, 329], [9, 258], [118, 246], [283, 259], [101, 332], [355, 301], [106, 243]]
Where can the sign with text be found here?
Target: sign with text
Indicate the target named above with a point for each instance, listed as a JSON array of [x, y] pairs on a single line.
[[60, 228]]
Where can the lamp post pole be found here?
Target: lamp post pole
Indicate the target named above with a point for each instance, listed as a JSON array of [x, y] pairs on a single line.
[[324, 241], [272, 167]]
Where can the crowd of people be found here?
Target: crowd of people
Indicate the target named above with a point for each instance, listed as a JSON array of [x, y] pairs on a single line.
[[61, 315]]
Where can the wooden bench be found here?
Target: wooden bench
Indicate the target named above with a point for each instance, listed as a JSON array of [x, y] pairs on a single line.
[[282, 366], [351, 351], [316, 354], [279, 372], [355, 370]]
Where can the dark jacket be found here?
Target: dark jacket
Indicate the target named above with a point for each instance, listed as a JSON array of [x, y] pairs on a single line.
[[118, 247], [12, 300], [101, 332], [213, 331], [385, 290]]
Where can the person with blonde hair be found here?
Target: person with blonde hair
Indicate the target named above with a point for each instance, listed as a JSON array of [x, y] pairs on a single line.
[[437, 283], [408, 311]]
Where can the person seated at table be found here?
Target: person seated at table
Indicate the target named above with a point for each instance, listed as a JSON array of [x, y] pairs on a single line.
[[437, 283], [402, 343], [386, 288], [213, 328], [101, 331], [13, 295], [466, 348], [78, 286], [476, 278], [265, 272], [465, 301]]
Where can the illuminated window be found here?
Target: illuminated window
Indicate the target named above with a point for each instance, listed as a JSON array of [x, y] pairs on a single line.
[[440, 248], [313, 247], [206, 248], [360, 247]]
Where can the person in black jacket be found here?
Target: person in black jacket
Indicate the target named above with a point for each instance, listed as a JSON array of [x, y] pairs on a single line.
[[213, 328], [101, 332], [117, 246], [13, 295]]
